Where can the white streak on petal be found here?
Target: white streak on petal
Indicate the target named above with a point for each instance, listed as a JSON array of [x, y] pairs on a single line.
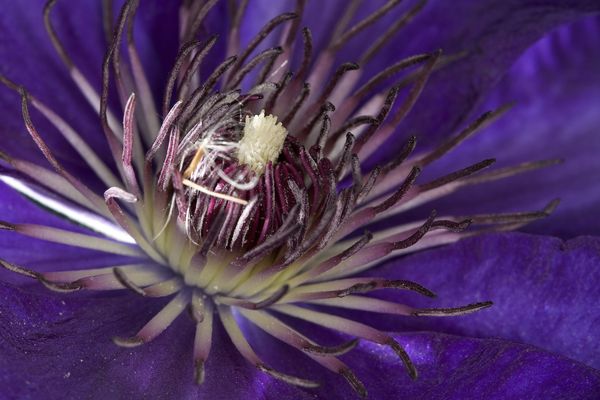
[[87, 219]]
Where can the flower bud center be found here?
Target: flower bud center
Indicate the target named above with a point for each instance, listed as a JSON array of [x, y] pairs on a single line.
[[261, 142]]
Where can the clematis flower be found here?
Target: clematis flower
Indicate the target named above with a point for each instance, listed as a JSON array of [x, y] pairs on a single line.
[[249, 215]]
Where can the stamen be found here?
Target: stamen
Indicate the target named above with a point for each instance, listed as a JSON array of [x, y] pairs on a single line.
[[126, 222], [367, 21], [506, 172], [380, 136], [377, 251], [17, 269], [369, 184], [183, 54], [349, 327], [150, 123], [281, 85], [164, 130], [480, 123], [357, 385], [158, 323], [448, 312], [198, 95], [412, 370], [388, 72], [128, 283], [333, 82], [345, 19], [269, 301], [233, 42], [292, 380], [364, 303], [470, 170], [341, 288], [290, 35], [326, 108], [366, 215], [333, 261], [72, 239], [381, 116], [166, 171], [519, 217], [280, 236], [338, 350], [94, 199], [298, 102], [240, 342], [82, 83], [306, 54], [128, 134], [198, 18], [61, 287], [392, 30], [290, 336], [202, 340], [186, 81], [345, 157], [385, 284], [406, 150], [74, 139], [269, 54], [262, 34]]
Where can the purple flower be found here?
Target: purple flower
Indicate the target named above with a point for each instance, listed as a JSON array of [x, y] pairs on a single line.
[[294, 222]]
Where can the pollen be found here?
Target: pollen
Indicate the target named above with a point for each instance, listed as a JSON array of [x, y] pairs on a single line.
[[261, 142]]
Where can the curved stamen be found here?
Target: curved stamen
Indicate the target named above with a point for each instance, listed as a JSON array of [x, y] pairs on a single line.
[[183, 54], [349, 327], [203, 337], [290, 336], [480, 123], [158, 323], [242, 345], [94, 199], [447, 312], [364, 23], [400, 22], [262, 34], [73, 137], [83, 84], [269, 301], [268, 54]]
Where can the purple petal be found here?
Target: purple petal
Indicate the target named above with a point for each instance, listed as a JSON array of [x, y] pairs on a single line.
[[494, 36], [452, 367], [555, 85], [56, 346], [449, 367], [544, 291], [59, 346]]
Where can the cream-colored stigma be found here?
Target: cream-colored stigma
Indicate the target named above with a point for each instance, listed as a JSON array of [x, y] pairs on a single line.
[[261, 142]]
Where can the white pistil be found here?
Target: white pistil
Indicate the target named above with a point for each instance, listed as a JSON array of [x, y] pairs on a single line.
[[262, 141]]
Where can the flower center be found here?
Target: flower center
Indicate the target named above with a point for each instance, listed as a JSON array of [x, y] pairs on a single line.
[[261, 142]]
